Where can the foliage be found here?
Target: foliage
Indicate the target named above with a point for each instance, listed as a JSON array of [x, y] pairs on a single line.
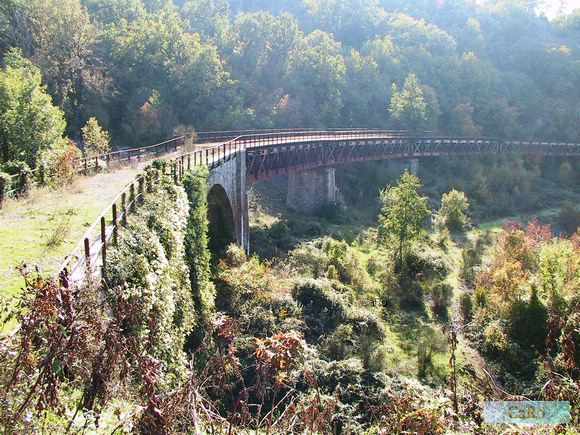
[[408, 106], [30, 124], [466, 306], [569, 217], [219, 64], [431, 341], [21, 181], [451, 214], [526, 288], [441, 294], [149, 284], [402, 214], [95, 139], [196, 244], [65, 164]]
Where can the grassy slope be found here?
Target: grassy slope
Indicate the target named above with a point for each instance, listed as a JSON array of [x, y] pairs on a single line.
[[41, 230]]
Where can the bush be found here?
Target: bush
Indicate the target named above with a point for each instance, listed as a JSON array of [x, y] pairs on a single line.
[[339, 344], [471, 261], [22, 184], [495, 338], [322, 307], [528, 324], [425, 266], [5, 184], [441, 295], [333, 212], [569, 217], [466, 306], [197, 254], [431, 341], [235, 255]]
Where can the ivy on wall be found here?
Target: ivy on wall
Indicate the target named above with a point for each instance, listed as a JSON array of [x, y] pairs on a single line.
[[148, 278], [197, 254]]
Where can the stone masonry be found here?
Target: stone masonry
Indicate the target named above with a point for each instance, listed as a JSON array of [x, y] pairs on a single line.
[[307, 190]]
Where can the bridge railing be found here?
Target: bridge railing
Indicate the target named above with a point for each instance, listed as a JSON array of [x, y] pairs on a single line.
[[224, 136]]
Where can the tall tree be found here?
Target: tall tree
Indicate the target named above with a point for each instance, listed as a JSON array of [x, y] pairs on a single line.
[[408, 105], [403, 211], [315, 79], [63, 38], [454, 205], [29, 123], [95, 139]]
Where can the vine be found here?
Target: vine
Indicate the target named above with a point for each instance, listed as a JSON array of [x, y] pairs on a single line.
[[197, 254]]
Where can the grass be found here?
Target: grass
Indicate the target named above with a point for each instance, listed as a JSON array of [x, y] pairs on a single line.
[[40, 231]]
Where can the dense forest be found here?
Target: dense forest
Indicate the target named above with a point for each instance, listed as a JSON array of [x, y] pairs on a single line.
[[399, 308], [146, 68]]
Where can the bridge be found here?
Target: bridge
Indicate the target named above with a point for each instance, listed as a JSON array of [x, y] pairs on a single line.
[[309, 158], [237, 159]]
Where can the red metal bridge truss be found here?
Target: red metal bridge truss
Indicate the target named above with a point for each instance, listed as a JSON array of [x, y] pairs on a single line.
[[294, 153]]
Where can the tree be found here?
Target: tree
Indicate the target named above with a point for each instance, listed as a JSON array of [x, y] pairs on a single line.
[[62, 46], [408, 106], [96, 140], [452, 211], [29, 124], [315, 78], [402, 214]]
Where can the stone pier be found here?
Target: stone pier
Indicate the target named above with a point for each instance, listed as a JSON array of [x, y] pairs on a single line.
[[308, 190], [414, 166]]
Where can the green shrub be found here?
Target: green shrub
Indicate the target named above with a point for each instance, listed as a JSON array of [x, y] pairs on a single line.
[[528, 323], [410, 293], [148, 281], [333, 212], [258, 321], [339, 344], [237, 283], [309, 260], [5, 184], [303, 228], [235, 255], [365, 323], [322, 307], [471, 260], [569, 217], [426, 266], [480, 297], [495, 338], [430, 342], [441, 294], [279, 230], [466, 306], [23, 182]]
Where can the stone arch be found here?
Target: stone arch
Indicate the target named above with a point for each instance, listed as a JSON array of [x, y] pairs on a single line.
[[222, 227]]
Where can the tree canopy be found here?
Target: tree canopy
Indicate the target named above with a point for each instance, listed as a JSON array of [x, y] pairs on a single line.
[[403, 211], [29, 123], [147, 67]]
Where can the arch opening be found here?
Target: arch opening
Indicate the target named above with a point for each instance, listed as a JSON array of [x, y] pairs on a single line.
[[222, 229]]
